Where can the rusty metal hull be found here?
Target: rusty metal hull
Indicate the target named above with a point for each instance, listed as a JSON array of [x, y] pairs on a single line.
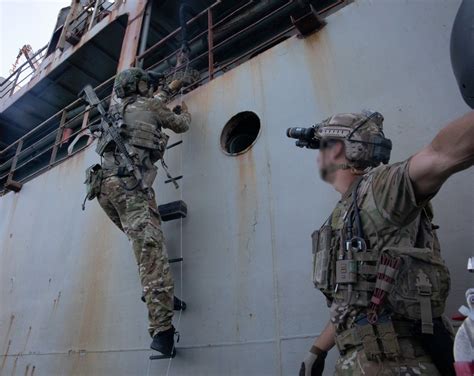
[[69, 289]]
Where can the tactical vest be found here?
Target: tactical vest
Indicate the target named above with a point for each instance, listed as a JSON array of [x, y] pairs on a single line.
[[362, 260], [139, 130]]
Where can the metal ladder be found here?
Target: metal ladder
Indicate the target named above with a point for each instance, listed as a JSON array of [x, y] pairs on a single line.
[[169, 212]]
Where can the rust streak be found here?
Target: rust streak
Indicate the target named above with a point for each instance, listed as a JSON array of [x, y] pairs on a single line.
[[247, 202], [96, 274], [4, 360], [56, 301], [318, 53], [7, 336], [7, 344], [15, 363], [27, 339]]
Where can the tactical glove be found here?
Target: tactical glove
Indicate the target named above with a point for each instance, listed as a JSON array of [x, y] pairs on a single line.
[[313, 364], [177, 109]]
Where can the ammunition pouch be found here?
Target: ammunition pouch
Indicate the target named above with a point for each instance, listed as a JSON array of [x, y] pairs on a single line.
[[94, 176], [146, 136], [421, 286], [378, 341], [322, 257], [326, 275]]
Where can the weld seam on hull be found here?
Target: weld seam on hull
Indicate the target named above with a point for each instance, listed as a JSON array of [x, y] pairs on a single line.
[[198, 346]]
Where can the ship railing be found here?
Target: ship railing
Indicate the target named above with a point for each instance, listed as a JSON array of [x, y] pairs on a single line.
[[215, 67], [22, 74], [54, 135], [90, 15], [51, 142]]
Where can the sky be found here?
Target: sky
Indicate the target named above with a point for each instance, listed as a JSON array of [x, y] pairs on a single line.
[[25, 22]]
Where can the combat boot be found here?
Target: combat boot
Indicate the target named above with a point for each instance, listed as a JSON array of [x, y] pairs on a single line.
[[178, 304], [163, 342]]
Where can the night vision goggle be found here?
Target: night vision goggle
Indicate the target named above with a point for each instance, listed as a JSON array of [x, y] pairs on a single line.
[[320, 136]]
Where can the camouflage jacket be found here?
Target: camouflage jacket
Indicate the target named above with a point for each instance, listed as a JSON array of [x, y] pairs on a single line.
[[144, 119], [394, 224]]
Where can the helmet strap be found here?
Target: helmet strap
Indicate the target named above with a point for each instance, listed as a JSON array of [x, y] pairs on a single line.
[[333, 168], [355, 171], [342, 166]]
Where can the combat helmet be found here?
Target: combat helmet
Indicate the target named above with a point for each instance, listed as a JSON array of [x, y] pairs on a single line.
[[363, 137], [128, 82]]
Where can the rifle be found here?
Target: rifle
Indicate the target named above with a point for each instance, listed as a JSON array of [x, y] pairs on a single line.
[[110, 125]]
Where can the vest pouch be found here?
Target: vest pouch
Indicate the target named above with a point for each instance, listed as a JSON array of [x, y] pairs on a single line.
[[163, 142], [160, 147], [93, 181], [421, 286], [146, 136], [321, 257]]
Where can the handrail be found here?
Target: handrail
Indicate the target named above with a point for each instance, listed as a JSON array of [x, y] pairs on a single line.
[[68, 107], [175, 32], [42, 146], [10, 84], [21, 66]]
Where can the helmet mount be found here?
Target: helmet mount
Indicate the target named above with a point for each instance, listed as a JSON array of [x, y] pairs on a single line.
[[362, 134]]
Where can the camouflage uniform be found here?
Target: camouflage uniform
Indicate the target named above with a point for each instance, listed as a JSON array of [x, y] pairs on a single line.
[[393, 224], [134, 211], [391, 219]]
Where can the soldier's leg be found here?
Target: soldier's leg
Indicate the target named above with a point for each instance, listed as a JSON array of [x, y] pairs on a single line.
[[107, 198], [142, 224]]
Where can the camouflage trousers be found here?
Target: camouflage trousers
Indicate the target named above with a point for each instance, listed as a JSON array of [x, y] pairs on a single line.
[[137, 216], [412, 362]]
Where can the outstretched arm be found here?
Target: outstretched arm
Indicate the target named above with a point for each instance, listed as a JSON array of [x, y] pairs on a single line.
[[177, 122], [451, 151]]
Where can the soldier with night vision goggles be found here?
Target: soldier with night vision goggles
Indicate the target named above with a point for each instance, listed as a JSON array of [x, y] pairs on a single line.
[[377, 257]]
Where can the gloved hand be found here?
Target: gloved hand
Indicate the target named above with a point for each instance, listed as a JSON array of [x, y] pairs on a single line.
[[179, 109], [313, 364]]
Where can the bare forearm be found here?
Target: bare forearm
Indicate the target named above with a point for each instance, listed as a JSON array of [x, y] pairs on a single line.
[[326, 340], [452, 150], [455, 143]]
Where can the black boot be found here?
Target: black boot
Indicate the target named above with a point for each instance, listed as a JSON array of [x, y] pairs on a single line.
[[179, 305], [163, 342]]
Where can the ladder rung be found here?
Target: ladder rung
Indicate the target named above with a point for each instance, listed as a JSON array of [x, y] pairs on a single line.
[[175, 144], [173, 210], [160, 357], [174, 179]]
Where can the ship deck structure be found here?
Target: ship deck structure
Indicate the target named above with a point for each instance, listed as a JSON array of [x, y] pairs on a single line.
[[69, 289]]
